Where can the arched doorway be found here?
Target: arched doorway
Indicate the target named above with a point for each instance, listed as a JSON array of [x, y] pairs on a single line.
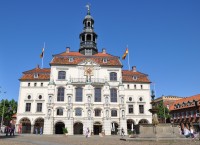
[[58, 127], [114, 128], [78, 128], [39, 122], [26, 125], [143, 121], [97, 128], [130, 125]]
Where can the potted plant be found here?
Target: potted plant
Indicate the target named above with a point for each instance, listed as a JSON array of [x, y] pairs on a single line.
[[65, 131]]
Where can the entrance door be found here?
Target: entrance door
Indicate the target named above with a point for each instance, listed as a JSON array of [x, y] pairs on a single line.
[[97, 129], [78, 128], [58, 127]]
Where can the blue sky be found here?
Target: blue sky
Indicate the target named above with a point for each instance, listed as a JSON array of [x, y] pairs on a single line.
[[163, 37]]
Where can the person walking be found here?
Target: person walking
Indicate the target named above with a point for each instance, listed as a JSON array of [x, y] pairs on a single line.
[[36, 130], [41, 130], [122, 134]]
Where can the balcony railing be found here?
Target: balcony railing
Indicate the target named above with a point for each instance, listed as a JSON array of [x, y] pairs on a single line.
[[84, 80], [88, 44]]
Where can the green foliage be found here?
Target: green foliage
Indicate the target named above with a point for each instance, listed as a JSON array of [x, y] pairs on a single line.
[[163, 112], [9, 107], [65, 130]]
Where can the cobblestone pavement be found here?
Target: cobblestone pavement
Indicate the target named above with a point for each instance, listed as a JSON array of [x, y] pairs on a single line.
[[31, 139]]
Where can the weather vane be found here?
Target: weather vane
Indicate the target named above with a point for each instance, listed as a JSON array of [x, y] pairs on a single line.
[[88, 8]]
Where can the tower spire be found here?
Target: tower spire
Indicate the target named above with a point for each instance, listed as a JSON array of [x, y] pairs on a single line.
[[88, 9], [88, 37]]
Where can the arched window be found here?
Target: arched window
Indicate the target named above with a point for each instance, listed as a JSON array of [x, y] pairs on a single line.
[[114, 113], [61, 75], [97, 112], [61, 92], [113, 76], [113, 95], [79, 94], [78, 112], [59, 111], [88, 37]]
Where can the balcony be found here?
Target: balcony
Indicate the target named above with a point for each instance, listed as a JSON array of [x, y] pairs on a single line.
[[88, 44], [84, 80]]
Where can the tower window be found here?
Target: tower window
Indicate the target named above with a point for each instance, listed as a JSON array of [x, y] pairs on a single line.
[[89, 24], [88, 37]]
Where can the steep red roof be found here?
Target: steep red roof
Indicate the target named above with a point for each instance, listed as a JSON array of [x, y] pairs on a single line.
[[185, 100], [131, 76], [43, 74], [63, 59]]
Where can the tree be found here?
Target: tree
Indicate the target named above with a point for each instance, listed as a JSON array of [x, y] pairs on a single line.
[[163, 112], [9, 108]]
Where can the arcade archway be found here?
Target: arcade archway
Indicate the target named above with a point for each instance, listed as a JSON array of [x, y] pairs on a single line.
[[58, 127], [26, 125], [78, 128]]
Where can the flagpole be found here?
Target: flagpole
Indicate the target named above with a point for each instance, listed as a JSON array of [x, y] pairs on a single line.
[[43, 55], [128, 59]]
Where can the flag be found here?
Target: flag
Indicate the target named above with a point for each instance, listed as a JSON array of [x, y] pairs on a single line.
[[126, 52], [42, 54]]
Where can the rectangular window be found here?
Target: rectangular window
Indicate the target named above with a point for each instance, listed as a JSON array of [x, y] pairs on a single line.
[[114, 113], [97, 112], [35, 84], [61, 75], [97, 97], [141, 109], [41, 84], [79, 94], [29, 84], [39, 107], [28, 107], [130, 109]]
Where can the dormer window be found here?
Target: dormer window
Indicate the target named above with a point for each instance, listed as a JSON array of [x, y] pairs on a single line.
[[105, 60], [71, 59], [135, 77], [36, 75]]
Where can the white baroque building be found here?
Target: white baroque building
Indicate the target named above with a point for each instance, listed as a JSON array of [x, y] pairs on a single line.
[[84, 89]]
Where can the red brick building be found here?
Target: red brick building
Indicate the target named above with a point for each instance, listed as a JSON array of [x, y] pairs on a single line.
[[167, 102], [186, 112]]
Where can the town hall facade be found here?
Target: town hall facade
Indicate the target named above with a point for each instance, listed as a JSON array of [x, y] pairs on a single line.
[[83, 89]]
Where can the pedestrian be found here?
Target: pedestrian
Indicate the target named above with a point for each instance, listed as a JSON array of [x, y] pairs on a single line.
[[87, 132], [12, 130], [192, 132], [41, 130], [122, 134], [36, 130]]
